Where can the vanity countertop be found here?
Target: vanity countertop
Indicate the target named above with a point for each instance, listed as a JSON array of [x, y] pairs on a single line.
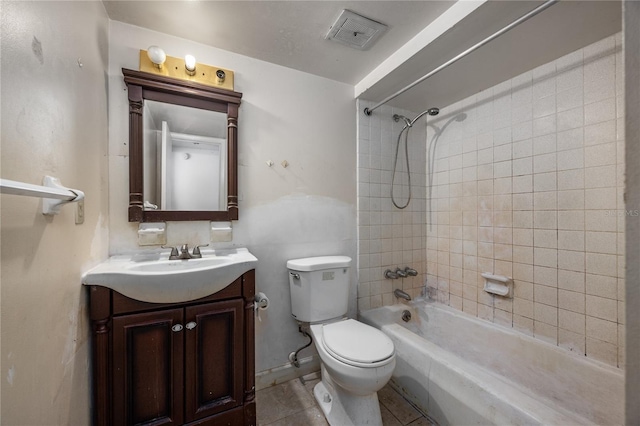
[[150, 277]]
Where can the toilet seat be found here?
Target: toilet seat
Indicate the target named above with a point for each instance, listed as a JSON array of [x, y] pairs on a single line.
[[357, 344]]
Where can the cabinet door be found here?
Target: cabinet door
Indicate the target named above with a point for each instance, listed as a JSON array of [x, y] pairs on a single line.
[[214, 358], [148, 378]]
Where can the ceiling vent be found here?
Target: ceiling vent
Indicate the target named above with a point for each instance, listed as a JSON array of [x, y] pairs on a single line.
[[355, 31]]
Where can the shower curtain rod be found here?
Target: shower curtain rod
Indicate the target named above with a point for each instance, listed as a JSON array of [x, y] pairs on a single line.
[[495, 35]]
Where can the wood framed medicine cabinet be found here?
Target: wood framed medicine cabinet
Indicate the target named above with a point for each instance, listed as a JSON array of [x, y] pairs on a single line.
[[143, 87]]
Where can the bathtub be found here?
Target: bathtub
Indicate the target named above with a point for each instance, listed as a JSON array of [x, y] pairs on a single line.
[[460, 370]]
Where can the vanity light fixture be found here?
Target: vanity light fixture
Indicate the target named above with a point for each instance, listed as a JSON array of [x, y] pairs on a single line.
[[156, 56], [155, 61], [190, 64]]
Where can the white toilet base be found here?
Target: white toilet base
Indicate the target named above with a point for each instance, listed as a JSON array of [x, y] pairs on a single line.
[[341, 408]]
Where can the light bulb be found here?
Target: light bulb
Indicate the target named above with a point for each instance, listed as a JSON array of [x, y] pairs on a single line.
[[190, 64], [157, 56]]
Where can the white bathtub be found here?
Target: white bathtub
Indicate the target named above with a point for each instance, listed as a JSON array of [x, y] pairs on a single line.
[[463, 371]]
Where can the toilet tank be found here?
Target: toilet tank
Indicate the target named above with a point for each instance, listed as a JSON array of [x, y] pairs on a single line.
[[319, 287]]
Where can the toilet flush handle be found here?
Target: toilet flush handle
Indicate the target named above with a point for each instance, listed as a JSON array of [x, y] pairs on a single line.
[[294, 275]]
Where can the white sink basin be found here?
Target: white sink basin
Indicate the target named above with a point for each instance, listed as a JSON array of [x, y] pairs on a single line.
[[151, 277], [172, 266]]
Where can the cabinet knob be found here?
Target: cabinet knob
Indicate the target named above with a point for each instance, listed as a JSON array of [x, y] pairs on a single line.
[[177, 327], [191, 325]]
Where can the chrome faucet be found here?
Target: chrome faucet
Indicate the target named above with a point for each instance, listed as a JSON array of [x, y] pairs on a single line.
[[400, 273], [183, 252], [401, 294]]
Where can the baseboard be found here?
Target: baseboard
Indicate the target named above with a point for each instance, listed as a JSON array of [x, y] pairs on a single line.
[[286, 372]]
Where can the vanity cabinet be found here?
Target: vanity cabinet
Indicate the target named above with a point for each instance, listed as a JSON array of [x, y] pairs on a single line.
[[172, 364]]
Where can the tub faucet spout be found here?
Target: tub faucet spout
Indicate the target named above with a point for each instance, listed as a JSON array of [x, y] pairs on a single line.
[[401, 294]]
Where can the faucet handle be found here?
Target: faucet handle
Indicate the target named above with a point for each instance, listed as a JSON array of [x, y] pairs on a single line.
[[174, 252], [390, 274], [196, 250], [401, 273], [410, 271]]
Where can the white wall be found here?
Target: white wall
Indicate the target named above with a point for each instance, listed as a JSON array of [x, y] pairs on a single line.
[[54, 121], [306, 209]]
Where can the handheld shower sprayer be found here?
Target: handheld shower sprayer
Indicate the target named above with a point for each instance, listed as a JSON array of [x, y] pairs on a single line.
[[407, 126], [410, 123]]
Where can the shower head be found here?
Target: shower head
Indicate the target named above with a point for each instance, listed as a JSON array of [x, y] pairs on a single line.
[[410, 123]]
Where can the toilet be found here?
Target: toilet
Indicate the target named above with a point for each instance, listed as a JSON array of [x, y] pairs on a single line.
[[356, 359]]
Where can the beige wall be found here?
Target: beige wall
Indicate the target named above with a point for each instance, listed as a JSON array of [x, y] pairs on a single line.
[[54, 121], [528, 183], [306, 209]]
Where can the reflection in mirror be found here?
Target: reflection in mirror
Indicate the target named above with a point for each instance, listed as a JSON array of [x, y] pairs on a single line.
[[184, 158]]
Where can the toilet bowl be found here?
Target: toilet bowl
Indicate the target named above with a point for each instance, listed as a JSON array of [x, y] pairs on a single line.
[[359, 357], [357, 360]]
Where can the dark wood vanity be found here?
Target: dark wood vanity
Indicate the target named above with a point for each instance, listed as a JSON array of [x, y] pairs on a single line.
[[187, 363]]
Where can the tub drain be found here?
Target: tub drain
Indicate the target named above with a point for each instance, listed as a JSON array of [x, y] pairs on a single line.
[[406, 316]]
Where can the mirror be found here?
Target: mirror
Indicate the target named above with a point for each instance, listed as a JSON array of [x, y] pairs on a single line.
[[183, 150], [184, 158]]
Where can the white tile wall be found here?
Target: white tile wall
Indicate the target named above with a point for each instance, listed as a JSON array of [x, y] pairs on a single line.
[[389, 238], [527, 182]]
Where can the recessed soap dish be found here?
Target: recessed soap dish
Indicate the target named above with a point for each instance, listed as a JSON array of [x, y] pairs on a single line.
[[497, 284]]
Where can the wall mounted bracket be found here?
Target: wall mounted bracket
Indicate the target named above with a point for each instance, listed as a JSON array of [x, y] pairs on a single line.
[[53, 194]]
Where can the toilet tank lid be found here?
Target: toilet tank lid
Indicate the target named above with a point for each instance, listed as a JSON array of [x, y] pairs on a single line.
[[308, 264]]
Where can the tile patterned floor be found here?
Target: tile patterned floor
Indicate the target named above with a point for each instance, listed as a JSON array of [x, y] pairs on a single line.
[[292, 404]]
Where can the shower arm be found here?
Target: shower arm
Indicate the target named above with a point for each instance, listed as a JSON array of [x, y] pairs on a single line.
[[531, 14]]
